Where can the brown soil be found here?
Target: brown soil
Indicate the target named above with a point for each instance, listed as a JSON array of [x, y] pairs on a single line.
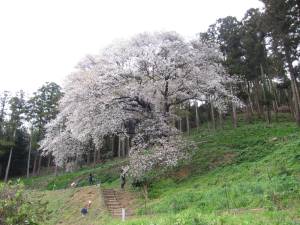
[[224, 159], [182, 173]]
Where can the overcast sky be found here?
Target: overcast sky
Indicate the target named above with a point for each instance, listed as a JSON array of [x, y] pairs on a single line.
[[42, 40]]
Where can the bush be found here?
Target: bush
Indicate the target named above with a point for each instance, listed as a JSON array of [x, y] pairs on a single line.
[[17, 209]]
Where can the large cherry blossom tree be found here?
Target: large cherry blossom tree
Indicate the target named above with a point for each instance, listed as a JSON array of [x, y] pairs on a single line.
[[141, 80]]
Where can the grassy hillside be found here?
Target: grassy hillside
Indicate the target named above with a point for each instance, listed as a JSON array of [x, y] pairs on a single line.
[[105, 173], [65, 205], [250, 175]]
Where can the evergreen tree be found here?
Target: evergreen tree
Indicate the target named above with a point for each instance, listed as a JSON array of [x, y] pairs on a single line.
[[283, 26], [17, 108]]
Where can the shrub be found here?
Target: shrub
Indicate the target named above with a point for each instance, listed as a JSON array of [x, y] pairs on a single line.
[[17, 209]]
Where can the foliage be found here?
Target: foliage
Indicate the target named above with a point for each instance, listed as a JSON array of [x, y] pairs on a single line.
[[249, 175], [43, 106], [107, 174], [263, 175], [17, 208], [141, 80]]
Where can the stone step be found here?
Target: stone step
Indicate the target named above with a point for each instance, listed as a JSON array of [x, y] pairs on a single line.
[[114, 208], [109, 192], [114, 205], [111, 199]]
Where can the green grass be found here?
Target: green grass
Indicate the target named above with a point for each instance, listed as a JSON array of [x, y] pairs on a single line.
[[249, 175], [107, 173], [260, 179], [64, 205]]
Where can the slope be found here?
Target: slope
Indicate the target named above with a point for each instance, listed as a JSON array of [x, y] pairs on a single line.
[[250, 175]]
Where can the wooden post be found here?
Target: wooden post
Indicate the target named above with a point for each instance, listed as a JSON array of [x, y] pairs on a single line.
[[123, 214]]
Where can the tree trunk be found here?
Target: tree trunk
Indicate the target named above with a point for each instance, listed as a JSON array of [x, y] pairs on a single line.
[[296, 98], [28, 158], [208, 115], [180, 124], [39, 165], [290, 103], [128, 145], [34, 164], [249, 99], [119, 147], [145, 193], [294, 85], [248, 114], [49, 161], [266, 101], [1, 167], [212, 114], [187, 124], [123, 148], [95, 157], [55, 170], [113, 145], [234, 116], [220, 119], [197, 114], [257, 97], [9, 158], [269, 116], [8, 165], [88, 157], [99, 155]]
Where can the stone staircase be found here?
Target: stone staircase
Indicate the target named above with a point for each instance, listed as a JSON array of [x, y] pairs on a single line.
[[112, 201]]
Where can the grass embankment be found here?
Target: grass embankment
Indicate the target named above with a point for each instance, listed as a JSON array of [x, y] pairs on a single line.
[[250, 175], [105, 173], [65, 205]]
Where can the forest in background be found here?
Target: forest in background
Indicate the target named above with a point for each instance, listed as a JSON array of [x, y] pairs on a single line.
[[261, 52]]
